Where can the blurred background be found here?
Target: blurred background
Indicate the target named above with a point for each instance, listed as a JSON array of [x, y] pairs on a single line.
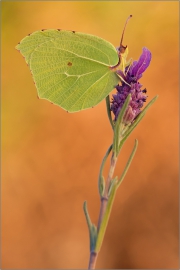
[[51, 158]]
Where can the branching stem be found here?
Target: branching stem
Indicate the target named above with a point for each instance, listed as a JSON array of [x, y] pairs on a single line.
[[107, 193]]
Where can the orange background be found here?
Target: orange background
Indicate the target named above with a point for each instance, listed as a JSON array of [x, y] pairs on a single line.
[[51, 158]]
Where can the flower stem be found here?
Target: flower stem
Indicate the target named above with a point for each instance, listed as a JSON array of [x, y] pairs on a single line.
[[92, 260], [103, 207], [107, 191]]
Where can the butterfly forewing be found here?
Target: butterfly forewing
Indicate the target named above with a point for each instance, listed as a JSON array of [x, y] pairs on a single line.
[[70, 69]]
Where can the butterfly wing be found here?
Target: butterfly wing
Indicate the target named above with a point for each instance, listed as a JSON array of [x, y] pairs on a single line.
[[70, 69]]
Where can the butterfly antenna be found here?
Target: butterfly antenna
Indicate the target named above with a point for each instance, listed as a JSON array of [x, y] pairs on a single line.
[[124, 30]]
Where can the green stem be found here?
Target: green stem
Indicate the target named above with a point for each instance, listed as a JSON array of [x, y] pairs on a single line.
[[104, 222], [108, 192], [107, 202]]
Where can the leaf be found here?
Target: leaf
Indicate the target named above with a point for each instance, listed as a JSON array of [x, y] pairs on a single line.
[[128, 163], [118, 126], [71, 69], [92, 228], [101, 182], [108, 107], [137, 120]]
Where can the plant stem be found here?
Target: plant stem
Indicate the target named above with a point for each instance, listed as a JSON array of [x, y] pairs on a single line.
[[107, 191], [92, 260], [104, 201]]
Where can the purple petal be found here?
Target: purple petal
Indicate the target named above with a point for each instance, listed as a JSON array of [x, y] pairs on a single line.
[[131, 67], [142, 64]]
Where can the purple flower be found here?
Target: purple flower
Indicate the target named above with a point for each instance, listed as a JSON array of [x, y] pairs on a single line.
[[138, 96]]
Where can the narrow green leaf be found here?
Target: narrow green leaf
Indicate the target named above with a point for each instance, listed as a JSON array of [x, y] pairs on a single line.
[[105, 219], [128, 163], [89, 223], [92, 228], [149, 104], [138, 119], [101, 183], [93, 237], [129, 131], [118, 125], [109, 111]]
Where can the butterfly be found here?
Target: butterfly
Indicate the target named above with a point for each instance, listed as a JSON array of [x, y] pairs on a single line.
[[73, 70]]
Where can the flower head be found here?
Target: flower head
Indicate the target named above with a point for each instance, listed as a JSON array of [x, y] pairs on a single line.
[[133, 87]]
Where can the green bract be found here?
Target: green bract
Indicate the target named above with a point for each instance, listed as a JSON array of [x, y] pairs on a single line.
[[70, 69]]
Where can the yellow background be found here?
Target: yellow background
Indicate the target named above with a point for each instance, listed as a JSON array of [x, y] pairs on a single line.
[[51, 159]]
